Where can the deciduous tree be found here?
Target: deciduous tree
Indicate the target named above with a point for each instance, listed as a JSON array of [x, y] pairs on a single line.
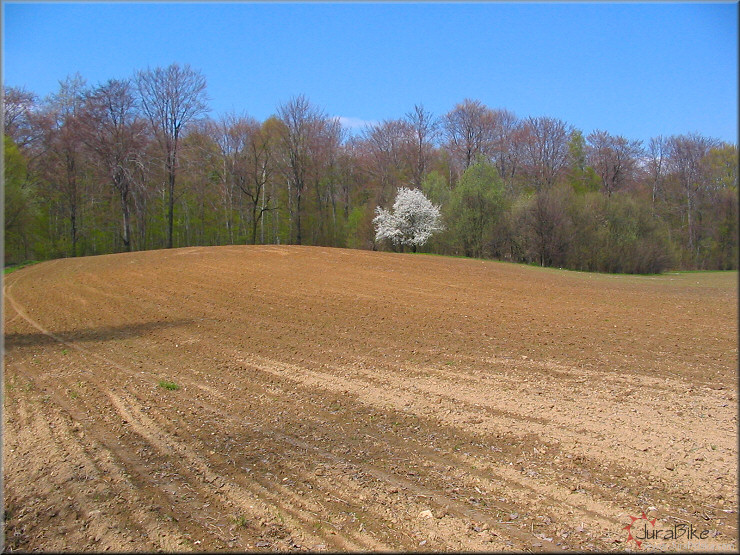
[[687, 159], [18, 107], [388, 145], [614, 158], [423, 127], [469, 129], [412, 222], [20, 204], [545, 149], [59, 126], [172, 98], [476, 203], [113, 131], [254, 170], [307, 137], [657, 166], [507, 140]]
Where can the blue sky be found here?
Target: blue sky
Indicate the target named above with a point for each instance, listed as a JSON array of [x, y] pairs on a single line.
[[638, 70]]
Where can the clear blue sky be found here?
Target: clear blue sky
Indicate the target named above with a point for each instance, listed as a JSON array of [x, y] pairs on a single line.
[[638, 70]]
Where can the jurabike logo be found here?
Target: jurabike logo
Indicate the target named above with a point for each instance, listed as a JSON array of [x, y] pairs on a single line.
[[632, 527], [641, 529]]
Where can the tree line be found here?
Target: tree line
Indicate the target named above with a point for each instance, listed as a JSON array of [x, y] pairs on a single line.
[[137, 163]]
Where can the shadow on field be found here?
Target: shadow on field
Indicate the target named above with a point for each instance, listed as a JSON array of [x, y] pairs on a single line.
[[105, 333]]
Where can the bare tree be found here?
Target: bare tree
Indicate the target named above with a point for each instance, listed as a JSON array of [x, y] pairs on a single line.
[[254, 167], [687, 157], [143, 190], [305, 126], [469, 130], [424, 128], [657, 165], [614, 158], [545, 149], [172, 98], [18, 106], [506, 151], [113, 131], [387, 144], [60, 128], [349, 173], [231, 134], [549, 226], [326, 154]]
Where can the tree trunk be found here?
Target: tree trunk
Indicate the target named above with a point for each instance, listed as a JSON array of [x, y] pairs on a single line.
[[290, 214], [73, 230], [298, 219], [170, 204], [690, 221], [72, 197], [255, 210], [262, 220], [126, 220]]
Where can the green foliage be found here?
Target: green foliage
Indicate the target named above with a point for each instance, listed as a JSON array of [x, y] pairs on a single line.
[[9, 269], [509, 241], [358, 224], [436, 189], [636, 243], [15, 163], [590, 232], [577, 150], [718, 236], [617, 234], [21, 210], [475, 206], [582, 178], [171, 386], [722, 167], [588, 181]]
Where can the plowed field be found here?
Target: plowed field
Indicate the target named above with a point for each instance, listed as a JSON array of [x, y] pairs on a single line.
[[347, 400]]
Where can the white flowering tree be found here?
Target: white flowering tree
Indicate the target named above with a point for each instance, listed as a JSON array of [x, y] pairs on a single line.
[[412, 222]]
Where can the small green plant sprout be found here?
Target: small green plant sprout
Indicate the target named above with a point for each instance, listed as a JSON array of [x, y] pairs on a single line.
[[240, 521], [65, 351], [172, 386]]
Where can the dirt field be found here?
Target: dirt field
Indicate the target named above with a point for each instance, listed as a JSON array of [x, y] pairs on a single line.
[[347, 400]]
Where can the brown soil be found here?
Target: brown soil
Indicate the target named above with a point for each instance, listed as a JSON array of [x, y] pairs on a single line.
[[348, 400]]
